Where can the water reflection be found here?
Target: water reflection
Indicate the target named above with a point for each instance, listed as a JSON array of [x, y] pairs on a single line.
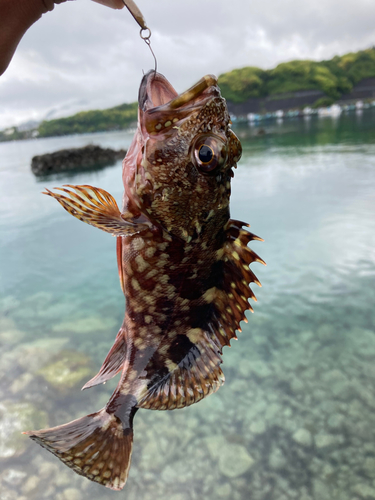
[[295, 418]]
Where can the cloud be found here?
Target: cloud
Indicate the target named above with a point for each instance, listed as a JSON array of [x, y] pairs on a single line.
[[83, 55]]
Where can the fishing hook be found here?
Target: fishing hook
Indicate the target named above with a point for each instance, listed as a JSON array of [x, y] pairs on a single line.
[[145, 32]]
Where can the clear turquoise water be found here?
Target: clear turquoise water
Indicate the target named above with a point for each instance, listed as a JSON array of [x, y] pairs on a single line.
[[296, 417]]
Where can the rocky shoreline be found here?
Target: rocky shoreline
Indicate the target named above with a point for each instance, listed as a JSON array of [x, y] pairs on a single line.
[[75, 159]]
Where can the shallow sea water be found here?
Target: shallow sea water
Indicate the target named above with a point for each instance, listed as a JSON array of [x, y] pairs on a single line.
[[296, 416]]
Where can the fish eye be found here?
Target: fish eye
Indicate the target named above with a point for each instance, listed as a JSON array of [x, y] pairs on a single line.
[[206, 154], [209, 153]]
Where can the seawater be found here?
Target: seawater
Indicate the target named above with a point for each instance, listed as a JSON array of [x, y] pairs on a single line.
[[296, 416]]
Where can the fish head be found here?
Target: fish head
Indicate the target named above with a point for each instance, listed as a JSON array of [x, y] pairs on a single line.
[[179, 167]]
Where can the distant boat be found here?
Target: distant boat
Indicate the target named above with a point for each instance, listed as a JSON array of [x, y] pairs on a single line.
[[334, 110], [253, 117]]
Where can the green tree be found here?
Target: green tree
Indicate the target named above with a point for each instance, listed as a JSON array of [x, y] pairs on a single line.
[[241, 84]]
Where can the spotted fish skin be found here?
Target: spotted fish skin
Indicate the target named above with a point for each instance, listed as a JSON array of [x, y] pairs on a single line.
[[183, 267]]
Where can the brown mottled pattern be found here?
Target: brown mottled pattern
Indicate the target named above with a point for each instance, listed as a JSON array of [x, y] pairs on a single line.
[[94, 446], [183, 267]]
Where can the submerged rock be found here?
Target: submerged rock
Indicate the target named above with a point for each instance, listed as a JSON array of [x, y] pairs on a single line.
[[364, 491], [369, 467], [9, 333], [277, 459], [85, 325], [303, 437], [12, 477], [30, 485], [324, 441], [67, 370], [33, 355], [15, 418], [75, 159], [235, 461], [71, 494]]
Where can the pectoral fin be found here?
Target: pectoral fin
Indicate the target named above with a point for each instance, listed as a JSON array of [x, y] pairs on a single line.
[[97, 208]]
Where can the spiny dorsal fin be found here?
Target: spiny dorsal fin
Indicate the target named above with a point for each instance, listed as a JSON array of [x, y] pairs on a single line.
[[230, 301], [97, 208]]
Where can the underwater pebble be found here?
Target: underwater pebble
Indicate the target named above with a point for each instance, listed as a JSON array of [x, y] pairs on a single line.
[[216, 445], [306, 336], [71, 494], [47, 470], [303, 437], [323, 441], [31, 484], [177, 496], [151, 458], [235, 461], [258, 427], [68, 370], [364, 491], [33, 355], [333, 376], [321, 490], [224, 490], [12, 477], [369, 467], [305, 496], [7, 494], [63, 478], [15, 418], [274, 410], [363, 342], [366, 395], [258, 368], [10, 336], [177, 473], [328, 332], [297, 386], [8, 304], [86, 325], [277, 459], [335, 422], [21, 383]]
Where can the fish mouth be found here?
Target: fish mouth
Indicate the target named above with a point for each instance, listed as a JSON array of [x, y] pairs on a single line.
[[161, 106], [154, 91]]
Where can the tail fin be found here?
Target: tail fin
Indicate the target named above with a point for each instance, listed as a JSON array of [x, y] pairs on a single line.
[[113, 363], [95, 446]]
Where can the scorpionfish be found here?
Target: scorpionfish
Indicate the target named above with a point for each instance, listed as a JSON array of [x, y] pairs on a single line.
[[183, 267]]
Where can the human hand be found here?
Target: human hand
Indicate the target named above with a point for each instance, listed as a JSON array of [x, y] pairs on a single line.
[[16, 17]]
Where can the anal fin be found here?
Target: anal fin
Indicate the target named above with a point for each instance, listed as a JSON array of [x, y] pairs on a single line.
[[113, 363], [195, 377]]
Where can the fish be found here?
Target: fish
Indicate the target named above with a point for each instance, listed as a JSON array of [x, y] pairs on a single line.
[[184, 268]]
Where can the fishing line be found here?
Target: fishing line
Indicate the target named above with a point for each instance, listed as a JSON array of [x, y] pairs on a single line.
[[145, 32]]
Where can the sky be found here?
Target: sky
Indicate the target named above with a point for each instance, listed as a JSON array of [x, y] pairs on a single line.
[[83, 55]]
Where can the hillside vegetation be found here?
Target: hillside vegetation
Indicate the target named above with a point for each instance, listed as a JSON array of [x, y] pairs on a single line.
[[334, 77], [98, 120]]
